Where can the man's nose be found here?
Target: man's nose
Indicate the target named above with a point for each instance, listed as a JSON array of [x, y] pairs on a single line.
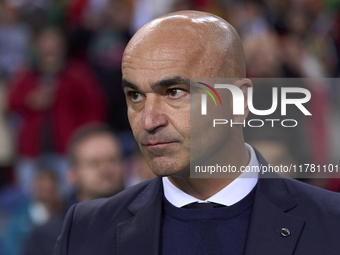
[[153, 114]]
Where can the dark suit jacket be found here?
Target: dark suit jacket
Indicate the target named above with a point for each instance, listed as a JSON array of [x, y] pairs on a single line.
[[130, 222]]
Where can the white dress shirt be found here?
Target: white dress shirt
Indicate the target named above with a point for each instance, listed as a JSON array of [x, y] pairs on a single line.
[[231, 194]]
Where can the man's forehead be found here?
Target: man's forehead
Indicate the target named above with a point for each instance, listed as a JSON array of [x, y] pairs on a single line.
[[183, 24], [169, 40], [163, 54], [162, 58], [193, 41]]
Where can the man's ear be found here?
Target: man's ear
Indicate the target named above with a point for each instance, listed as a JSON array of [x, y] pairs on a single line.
[[243, 84]]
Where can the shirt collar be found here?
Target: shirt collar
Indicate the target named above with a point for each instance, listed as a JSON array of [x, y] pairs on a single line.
[[231, 194]]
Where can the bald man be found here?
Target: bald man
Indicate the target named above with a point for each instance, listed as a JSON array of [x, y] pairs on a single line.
[[174, 214]]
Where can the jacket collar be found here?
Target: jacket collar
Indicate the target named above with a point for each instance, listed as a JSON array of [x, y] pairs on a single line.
[[269, 217], [269, 182], [140, 233]]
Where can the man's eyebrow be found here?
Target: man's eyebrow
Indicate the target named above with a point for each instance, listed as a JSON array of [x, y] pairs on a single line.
[[127, 84], [177, 80]]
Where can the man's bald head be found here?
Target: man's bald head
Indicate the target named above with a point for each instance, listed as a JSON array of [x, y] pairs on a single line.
[[157, 66], [207, 41]]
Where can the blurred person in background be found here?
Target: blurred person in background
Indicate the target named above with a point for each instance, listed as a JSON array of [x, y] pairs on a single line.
[[96, 163], [14, 39], [105, 51], [96, 171], [6, 139], [263, 56], [295, 44], [81, 23], [98, 31], [277, 151], [45, 203], [146, 10], [6, 154], [54, 97], [38, 13], [249, 17]]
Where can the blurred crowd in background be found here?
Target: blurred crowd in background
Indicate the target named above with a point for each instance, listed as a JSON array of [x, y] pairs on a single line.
[[64, 133]]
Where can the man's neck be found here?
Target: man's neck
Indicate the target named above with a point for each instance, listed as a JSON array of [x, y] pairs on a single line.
[[203, 188]]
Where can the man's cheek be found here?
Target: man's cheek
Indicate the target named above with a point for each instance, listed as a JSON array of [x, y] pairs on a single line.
[[135, 125]]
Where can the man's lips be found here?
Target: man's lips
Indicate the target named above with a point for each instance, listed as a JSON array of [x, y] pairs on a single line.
[[158, 144]]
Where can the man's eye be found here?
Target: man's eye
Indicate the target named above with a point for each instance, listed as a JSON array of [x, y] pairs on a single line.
[[135, 96], [175, 93]]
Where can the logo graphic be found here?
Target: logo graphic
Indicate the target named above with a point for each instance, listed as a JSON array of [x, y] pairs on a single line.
[[204, 97], [239, 99]]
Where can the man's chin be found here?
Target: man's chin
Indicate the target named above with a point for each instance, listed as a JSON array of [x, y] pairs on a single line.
[[163, 170]]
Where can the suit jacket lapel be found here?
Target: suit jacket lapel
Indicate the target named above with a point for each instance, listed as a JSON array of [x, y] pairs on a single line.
[[269, 217], [140, 234]]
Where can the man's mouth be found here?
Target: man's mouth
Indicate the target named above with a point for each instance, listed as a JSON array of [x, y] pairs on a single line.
[[158, 145]]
